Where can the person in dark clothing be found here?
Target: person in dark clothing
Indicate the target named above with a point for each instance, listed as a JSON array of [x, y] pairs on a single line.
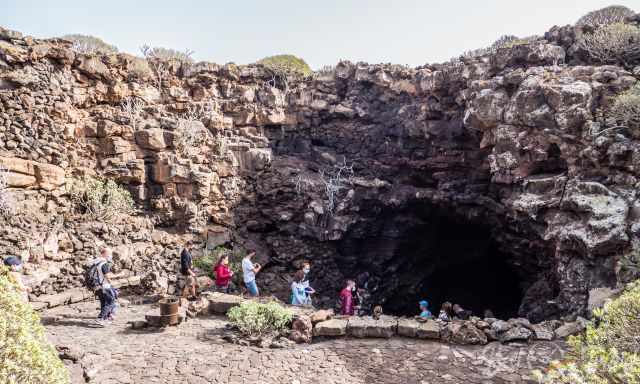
[[107, 295], [186, 268], [461, 313]]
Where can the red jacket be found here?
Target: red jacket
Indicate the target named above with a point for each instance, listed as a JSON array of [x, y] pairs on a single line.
[[346, 298], [223, 275]]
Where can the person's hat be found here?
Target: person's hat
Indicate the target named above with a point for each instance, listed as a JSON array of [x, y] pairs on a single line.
[[12, 261], [424, 303]]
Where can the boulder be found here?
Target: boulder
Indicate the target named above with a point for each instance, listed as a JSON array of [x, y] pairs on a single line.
[[153, 139], [321, 315], [571, 328], [542, 332], [220, 303], [429, 329], [463, 333], [333, 327], [301, 329], [516, 333], [367, 326]]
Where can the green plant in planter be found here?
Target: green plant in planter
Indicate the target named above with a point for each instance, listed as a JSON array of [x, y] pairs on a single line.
[[26, 357], [255, 319]]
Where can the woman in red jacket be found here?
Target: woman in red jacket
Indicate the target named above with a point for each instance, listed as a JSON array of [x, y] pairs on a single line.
[[223, 274], [346, 299]]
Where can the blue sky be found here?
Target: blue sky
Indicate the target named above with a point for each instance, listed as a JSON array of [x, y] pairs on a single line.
[[322, 32]]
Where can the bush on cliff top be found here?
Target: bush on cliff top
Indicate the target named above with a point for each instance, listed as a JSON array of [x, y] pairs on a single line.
[[90, 44], [616, 43], [609, 351], [255, 319], [26, 357], [608, 15], [287, 63]]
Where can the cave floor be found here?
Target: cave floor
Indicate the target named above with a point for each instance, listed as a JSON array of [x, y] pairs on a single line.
[[194, 353]]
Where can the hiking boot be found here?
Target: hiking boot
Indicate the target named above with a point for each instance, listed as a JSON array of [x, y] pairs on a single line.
[[100, 323]]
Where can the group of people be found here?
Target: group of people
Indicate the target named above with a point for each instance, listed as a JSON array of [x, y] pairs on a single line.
[[301, 291], [222, 271], [447, 312], [99, 272]]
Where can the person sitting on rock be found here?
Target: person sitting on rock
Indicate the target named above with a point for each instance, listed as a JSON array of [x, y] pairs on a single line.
[[186, 268], [223, 274], [15, 266], [461, 313], [446, 312], [425, 314], [298, 291], [249, 270], [346, 299]]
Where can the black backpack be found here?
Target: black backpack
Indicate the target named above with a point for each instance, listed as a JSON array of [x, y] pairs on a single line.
[[93, 276]]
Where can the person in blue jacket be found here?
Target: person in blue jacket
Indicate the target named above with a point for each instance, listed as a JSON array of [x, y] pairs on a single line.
[[425, 314]]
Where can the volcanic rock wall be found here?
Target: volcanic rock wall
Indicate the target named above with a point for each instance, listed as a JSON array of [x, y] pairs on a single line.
[[512, 142]]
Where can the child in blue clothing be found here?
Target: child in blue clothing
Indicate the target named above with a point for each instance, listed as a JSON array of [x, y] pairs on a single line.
[[425, 314]]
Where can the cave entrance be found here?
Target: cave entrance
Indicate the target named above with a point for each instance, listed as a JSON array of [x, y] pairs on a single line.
[[422, 252]]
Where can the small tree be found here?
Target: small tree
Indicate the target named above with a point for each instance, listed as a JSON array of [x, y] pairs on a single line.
[[626, 109], [283, 68], [608, 15], [90, 44], [191, 133], [334, 181], [99, 199], [616, 43], [7, 201], [132, 107]]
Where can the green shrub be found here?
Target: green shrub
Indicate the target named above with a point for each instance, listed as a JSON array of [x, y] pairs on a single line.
[[609, 351], [26, 357], [254, 319], [289, 64], [90, 44], [616, 43], [100, 199], [626, 109], [608, 15]]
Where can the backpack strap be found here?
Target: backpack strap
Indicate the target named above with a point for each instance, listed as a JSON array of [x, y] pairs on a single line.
[[97, 273]]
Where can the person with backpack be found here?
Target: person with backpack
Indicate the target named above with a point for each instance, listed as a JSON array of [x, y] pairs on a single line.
[[97, 280], [186, 268]]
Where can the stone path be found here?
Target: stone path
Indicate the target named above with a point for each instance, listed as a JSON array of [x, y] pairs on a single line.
[[194, 353]]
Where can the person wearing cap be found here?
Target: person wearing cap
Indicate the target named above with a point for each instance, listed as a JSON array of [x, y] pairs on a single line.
[[425, 314], [15, 266]]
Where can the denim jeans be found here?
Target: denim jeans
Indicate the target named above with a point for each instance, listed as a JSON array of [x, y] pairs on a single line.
[[252, 287], [107, 303]]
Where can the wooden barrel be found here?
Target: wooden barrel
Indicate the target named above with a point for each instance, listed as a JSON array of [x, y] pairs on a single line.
[[169, 306]]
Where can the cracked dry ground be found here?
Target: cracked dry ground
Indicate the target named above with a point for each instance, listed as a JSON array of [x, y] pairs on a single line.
[[194, 353]]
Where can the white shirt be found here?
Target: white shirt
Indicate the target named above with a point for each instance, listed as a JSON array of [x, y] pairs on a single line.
[[247, 270]]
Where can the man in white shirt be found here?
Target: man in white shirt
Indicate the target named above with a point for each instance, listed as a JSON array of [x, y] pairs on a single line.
[[249, 270]]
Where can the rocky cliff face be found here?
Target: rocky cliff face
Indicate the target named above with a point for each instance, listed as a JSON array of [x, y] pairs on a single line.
[[490, 181]]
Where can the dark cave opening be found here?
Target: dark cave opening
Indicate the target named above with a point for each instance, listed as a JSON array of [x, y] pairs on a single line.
[[422, 252]]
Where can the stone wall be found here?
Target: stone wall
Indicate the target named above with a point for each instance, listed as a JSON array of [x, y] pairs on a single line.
[[508, 141]]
